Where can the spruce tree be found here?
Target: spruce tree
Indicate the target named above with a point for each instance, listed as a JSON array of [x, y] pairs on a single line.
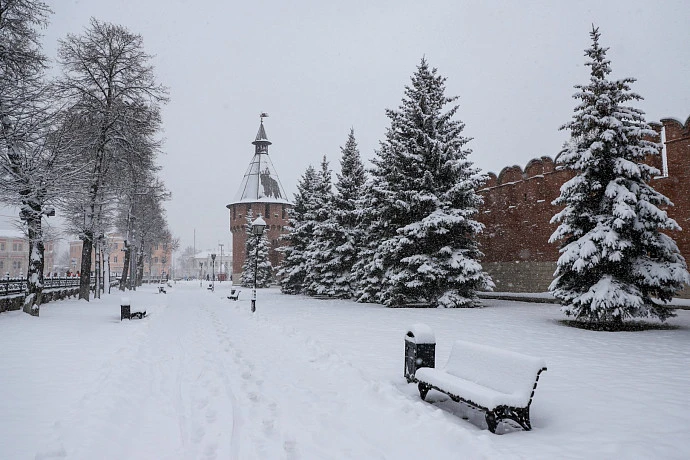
[[422, 205], [319, 273], [299, 233], [615, 263], [264, 268], [338, 237]]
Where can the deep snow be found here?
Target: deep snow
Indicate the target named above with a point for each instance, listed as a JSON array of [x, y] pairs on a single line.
[[201, 377]]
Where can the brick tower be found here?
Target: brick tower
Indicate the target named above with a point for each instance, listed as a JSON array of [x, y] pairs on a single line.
[[262, 193]]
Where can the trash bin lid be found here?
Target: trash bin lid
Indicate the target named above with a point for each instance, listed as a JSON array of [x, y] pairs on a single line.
[[420, 333], [124, 301]]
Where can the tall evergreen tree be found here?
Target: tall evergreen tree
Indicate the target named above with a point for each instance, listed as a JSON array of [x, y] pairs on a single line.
[[615, 263], [423, 203], [319, 271], [299, 233], [338, 236], [254, 258]]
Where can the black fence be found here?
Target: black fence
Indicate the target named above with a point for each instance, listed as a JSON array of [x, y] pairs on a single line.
[[11, 286]]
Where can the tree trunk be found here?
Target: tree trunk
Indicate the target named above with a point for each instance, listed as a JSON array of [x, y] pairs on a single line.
[[85, 275], [34, 278], [125, 269], [140, 268]]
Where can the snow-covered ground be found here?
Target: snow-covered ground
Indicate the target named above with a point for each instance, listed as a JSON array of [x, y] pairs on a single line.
[[302, 378]]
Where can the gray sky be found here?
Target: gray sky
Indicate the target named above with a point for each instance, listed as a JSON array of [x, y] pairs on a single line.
[[321, 67]]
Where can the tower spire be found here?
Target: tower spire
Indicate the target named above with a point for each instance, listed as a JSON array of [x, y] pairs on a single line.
[[261, 142], [261, 183]]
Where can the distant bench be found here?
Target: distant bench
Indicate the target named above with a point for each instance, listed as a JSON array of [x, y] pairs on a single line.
[[498, 382], [234, 294], [126, 310]]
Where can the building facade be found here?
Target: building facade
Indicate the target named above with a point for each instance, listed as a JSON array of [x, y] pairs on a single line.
[[14, 255], [517, 211], [157, 264], [261, 193]]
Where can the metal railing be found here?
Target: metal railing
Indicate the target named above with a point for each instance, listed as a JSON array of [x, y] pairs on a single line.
[[11, 286]]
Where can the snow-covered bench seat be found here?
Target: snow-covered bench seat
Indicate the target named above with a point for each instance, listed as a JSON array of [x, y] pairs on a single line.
[[234, 294], [499, 382]]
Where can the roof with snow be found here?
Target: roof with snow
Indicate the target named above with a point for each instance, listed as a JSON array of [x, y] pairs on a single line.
[[261, 182]]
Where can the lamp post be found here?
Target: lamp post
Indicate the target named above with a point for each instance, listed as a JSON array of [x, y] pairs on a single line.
[[258, 227], [220, 266], [213, 272], [201, 273]]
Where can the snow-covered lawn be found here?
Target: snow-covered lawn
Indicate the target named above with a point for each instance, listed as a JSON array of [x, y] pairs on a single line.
[[201, 377]]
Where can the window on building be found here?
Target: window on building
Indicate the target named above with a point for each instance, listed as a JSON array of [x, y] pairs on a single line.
[[2, 264], [234, 212], [249, 208], [283, 211], [16, 265], [268, 211], [163, 260], [114, 245], [2, 246], [155, 260], [114, 259]]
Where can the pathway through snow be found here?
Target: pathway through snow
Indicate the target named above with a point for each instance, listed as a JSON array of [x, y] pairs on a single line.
[[202, 377]]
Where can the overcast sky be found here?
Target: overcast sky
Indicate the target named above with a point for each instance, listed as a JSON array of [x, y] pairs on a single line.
[[321, 67]]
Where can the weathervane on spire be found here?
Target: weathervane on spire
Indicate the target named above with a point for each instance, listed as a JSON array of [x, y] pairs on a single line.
[[262, 116]]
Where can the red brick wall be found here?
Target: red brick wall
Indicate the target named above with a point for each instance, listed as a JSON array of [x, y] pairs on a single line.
[[276, 220], [517, 211]]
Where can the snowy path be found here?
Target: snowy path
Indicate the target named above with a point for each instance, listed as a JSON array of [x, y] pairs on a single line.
[[203, 378]]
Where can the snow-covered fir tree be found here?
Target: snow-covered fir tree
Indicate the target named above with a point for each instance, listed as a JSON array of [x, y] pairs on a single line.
[[422, 205], [337, 239], [264, 268], [299, 233], [319, 275], [615, 262]]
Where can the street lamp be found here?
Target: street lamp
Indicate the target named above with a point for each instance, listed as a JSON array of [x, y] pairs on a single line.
[[213, 272], [201, 273], [258, 227], [220, 265]]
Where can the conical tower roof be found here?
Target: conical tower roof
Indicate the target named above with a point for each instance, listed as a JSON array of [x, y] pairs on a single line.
[[260, 182]]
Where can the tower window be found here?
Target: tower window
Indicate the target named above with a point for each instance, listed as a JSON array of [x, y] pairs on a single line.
[[267, 214]]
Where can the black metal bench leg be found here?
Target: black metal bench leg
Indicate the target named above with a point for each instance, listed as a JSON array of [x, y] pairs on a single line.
[[423, 390], [491, 421], [523, 418]]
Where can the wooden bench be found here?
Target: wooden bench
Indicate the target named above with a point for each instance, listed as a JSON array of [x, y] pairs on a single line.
[[234, 294], [498, 382]]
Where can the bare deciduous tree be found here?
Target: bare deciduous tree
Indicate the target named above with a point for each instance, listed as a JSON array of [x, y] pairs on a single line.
[[109, 79]]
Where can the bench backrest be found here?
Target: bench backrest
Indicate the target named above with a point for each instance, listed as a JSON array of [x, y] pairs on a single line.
[[502, 370]]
